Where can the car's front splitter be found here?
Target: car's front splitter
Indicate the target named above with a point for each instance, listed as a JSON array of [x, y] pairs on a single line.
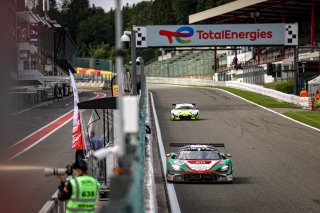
[[200, 177], [179, 118]]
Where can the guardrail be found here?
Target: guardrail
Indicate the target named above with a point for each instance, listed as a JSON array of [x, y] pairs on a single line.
[[53, 205], [293, 99]]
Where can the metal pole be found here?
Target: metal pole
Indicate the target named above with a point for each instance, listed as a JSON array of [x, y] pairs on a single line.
[[108, 127], [133, 62], [296, 69], [104, 128], [119, 69], [313, 34]]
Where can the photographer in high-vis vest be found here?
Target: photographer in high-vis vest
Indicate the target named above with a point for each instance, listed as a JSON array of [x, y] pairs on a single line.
[[81, 191]]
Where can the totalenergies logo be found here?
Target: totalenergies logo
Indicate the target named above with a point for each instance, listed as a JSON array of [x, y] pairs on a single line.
[[182, 32]]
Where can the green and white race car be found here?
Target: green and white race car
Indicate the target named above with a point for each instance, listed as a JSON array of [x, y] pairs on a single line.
[[199, 163], [184, 111]]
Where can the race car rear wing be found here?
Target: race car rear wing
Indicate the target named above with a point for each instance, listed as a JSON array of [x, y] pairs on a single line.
[[186, 144]]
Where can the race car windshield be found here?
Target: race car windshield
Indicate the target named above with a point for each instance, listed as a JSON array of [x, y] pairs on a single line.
[[198, 155], [185, 107]]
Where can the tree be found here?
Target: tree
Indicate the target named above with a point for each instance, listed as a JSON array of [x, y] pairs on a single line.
[[183, 9], [72, 13], [39, 8], [100, 51], [53, 12], [95, 30], [162, 12]]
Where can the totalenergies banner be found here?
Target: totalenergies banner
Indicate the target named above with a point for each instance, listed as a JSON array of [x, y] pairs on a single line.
[[217, 35]]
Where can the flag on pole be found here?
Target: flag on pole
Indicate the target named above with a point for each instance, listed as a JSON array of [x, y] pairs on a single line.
[[77, 139]]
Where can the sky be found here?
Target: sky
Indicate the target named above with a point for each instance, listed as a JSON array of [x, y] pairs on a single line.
[[108, 4]]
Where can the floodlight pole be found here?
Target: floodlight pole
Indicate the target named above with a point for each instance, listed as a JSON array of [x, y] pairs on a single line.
[[119, 69]]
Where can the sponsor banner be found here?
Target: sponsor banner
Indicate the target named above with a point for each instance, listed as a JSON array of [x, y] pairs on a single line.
[[115, 90], [217, 35], [89, 71]]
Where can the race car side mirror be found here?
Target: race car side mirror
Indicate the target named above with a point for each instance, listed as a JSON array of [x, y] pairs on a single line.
[[197, 108], [229, 155], [171, 155]]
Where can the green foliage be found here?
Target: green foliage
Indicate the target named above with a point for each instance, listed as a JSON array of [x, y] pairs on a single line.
[[183, 9], [308, 117], [100, 51], [93, 29], [286, 87], [259, 99], [162, 12]]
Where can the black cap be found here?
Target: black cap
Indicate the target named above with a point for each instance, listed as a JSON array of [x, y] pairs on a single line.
[[80, 164]]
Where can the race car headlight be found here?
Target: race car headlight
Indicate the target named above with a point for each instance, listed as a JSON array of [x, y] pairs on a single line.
[[176, 167], [224, 168], [194, 112], [177, 112]]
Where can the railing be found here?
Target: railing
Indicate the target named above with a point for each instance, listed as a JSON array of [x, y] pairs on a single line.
[[186, 64], [53, 205]]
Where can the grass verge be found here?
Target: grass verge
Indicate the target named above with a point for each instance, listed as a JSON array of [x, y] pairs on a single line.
[[308, 117], [311, 118], [260, 99]]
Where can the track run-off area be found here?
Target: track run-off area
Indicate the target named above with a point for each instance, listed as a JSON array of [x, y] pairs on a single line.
[[275, 160]]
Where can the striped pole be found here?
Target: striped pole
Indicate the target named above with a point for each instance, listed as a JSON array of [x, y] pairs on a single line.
[[310, 104]]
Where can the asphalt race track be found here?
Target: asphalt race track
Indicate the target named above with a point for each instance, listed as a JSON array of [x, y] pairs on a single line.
[[276, 161], [25, 188]]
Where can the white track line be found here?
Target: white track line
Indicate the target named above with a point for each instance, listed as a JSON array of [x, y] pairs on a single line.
[[39, 130], [150, 182], [41, 139], [270, 110], [174, 204]]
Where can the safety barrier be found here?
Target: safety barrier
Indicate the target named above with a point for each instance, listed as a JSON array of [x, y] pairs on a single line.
[[134, 199], [53, 205], [310, 104]]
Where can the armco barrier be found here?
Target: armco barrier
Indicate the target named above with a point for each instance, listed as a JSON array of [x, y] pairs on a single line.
[[293, 99]]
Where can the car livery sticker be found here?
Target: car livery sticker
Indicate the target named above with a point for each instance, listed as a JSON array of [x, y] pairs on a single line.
[[199, 165]]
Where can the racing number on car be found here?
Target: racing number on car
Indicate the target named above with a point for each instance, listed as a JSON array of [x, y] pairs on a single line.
[[88, 194]]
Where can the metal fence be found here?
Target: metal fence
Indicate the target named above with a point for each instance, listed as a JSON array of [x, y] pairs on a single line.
[[135, 196], [98, 64]]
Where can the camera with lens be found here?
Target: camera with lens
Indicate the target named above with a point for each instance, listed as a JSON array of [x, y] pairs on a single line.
[[58, 171]]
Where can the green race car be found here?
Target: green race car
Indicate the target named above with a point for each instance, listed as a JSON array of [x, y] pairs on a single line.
[[184, 111], [199, 163]]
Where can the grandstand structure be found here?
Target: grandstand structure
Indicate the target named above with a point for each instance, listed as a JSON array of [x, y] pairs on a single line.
[[253, 61], [191, 64]]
